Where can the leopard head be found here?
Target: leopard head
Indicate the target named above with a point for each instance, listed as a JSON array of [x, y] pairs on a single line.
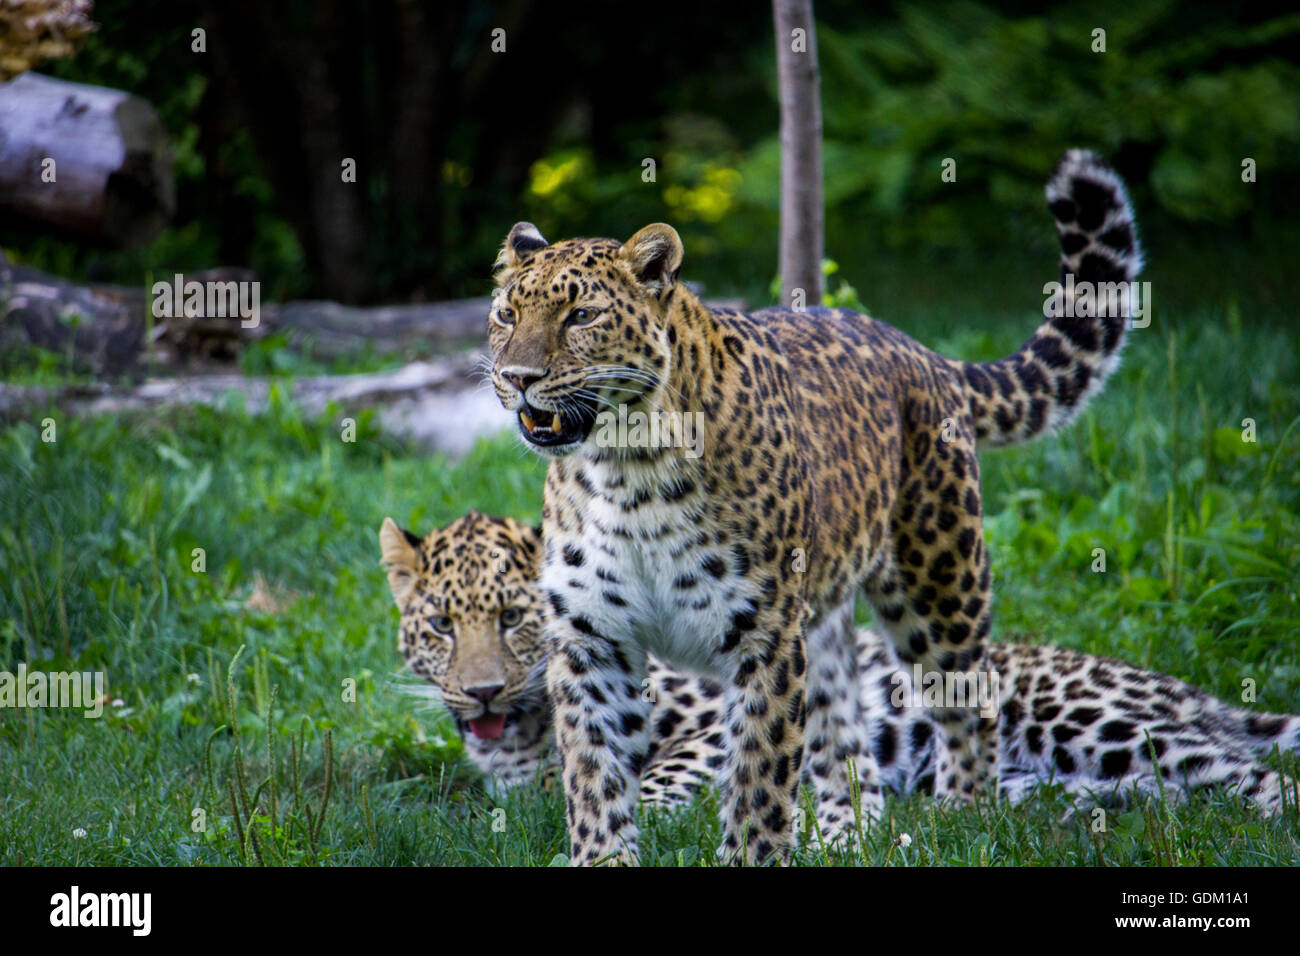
[[580, 327], [471, 617]]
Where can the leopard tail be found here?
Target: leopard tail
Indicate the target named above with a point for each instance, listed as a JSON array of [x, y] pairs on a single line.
[[1049, 380]]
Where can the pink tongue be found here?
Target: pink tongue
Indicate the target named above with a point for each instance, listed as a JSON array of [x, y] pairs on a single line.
[[489, 726]]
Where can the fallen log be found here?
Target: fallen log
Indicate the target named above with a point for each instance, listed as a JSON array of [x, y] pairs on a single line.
[[441, 405], [328, 330], [100, 328], [84, 159], [106, 329]]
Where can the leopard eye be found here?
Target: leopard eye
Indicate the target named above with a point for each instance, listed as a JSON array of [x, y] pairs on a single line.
[[506, 316], [443, 624], [580, 316], [511, 616]]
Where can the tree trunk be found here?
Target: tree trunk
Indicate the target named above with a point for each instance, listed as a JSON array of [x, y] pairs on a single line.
[[287, 66], [85, 159], [802, 206]]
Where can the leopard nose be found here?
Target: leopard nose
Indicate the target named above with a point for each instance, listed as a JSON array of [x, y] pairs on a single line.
[[521, 378], [484, 692]]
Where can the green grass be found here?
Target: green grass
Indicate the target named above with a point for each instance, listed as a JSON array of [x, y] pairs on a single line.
[[98, 532]]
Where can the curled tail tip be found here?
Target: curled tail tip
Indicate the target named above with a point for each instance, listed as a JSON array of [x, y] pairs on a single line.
[[1051, 378], [1068, 185], [1094, 218]]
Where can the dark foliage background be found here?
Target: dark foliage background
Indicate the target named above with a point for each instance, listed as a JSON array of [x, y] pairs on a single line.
[[454, 142]]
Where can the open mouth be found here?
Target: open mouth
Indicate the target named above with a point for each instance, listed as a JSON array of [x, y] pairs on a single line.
[[488, 726], [545, 428]]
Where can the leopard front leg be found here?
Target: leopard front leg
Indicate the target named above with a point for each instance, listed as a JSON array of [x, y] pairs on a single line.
[[602, 732], [766, 676]]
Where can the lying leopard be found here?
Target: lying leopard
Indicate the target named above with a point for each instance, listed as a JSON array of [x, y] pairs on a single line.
[[471, 625], [828, 455]]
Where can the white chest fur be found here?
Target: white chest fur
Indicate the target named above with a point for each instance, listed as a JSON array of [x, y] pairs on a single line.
[[653, 575]]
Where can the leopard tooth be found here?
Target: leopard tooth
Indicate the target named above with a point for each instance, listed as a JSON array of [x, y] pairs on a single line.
[[557, 426], [528, 421]]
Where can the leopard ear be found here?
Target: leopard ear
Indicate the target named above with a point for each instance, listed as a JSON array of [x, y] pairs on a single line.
[[530, 543], [398, 549], [523, 241], [654, 255]]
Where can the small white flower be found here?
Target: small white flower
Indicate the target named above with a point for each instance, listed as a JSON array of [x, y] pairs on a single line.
[[904, 840], [193, 679], [118, 702], [79, 833]]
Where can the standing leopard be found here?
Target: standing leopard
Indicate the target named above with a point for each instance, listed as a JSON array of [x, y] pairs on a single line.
[[471, 609], [837, 456]]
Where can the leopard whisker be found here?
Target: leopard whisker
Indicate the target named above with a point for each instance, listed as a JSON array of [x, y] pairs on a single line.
[[630, 373], [591, 396]]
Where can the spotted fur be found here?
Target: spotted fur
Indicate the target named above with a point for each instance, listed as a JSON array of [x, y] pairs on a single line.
[[838, 458], [1097, 727], [470, 573]]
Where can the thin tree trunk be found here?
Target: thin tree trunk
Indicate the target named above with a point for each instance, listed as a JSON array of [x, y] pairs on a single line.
[[285, 65], [802, 205]]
